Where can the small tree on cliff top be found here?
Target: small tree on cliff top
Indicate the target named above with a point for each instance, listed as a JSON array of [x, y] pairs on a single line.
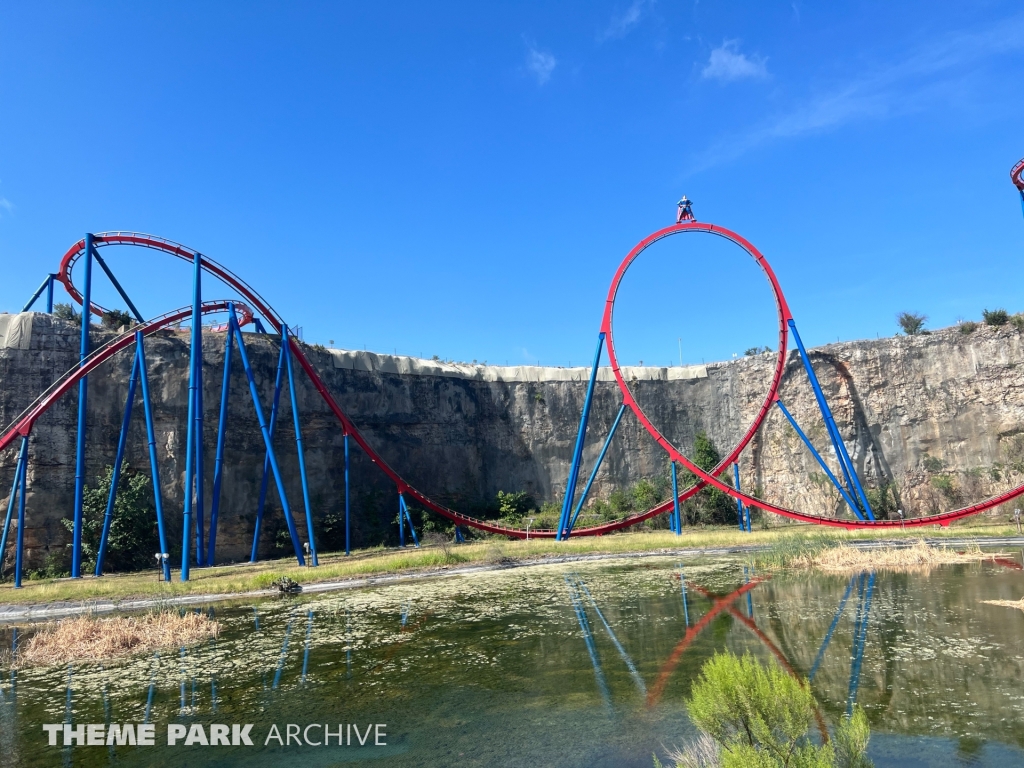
[[912, 323]]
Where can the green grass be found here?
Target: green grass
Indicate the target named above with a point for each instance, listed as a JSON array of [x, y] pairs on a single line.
[[785, 542]]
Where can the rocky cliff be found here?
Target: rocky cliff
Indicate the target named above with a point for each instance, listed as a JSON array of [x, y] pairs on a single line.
[[937, 418]]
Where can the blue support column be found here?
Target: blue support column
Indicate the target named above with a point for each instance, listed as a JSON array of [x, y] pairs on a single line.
[[147, 404], [830, 423], [12, 499], [47, 283], [286, 346], [677, 517], [736, 485], [49, 295], [401, 521], [408, 517], [347, 527], [593, 474], [459, 538], [267, 440], [821, 462], [218, 466], [19, 551], [115, 477], [574, 470], [190, 436], [197, 331], [266, 461], [118, 288], [83, 390]]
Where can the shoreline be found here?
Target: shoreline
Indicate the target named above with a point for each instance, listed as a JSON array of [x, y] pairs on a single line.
[[13, 613]]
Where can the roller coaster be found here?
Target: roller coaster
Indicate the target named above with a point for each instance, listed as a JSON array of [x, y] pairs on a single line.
[[248, 307]]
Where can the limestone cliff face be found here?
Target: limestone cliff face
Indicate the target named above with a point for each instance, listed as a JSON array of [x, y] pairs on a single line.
[[940, 418]]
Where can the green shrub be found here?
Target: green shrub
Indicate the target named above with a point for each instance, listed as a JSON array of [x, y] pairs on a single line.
[[761, 715], [132, 541], [968, 326], [513, 506], [1017, 321], [995, 316], [931, 464], [945, 485]]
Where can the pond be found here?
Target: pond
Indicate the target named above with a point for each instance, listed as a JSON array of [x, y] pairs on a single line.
[[557, 665]]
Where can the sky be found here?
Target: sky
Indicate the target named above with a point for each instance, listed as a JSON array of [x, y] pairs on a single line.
[[463, 179]]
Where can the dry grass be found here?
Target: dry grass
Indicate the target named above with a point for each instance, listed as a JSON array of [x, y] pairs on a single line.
[[1019, 604], [918, 556], [87, 638]]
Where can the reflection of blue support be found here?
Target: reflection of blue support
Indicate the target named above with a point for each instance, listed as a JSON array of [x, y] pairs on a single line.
[[574, 470], [266, 439], [588, 638], [750, 600], [20, 546], [830, 423], [12, 499], [832, 628], [83, 391], [615, 641], [152, 687], [309, 635], [686, 609], [405, 613], [117, 286], [181, 696], [47, 283], [860, 636], [266, 460], [286, 344], [821, 462], [404, 510], [218, 464], [677, 516], [147, 404], [284, 654], [115, 477], [597, 466], [347, 528]]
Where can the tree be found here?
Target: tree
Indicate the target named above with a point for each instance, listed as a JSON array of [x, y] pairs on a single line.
[[513, 506], [115, 318], [710, 505], [132, 540], [67, 312], [912, 323], [760, 715]]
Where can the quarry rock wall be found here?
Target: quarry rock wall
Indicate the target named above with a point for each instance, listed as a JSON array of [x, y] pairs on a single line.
[[937, 418]]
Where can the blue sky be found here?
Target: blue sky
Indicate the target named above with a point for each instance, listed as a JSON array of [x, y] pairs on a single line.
[[463, 179]]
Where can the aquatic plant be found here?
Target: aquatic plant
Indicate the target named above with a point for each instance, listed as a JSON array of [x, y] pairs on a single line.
[[918, 555]]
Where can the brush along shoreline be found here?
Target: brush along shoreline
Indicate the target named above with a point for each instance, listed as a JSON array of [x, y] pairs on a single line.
[[919, 555], [89, 638], [53, 598]]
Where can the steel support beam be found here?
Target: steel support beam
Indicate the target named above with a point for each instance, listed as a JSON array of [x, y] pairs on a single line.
[[20, 549], [677, 517], [286, 345], [261, 504], [574, 470], [47, 283], [83, 391], [266, 439], [117, 287], [821, 462], [218, 466], [593, 474], [115, 476], [830, 423], [147, 404], [13, 498], [348, 531]]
